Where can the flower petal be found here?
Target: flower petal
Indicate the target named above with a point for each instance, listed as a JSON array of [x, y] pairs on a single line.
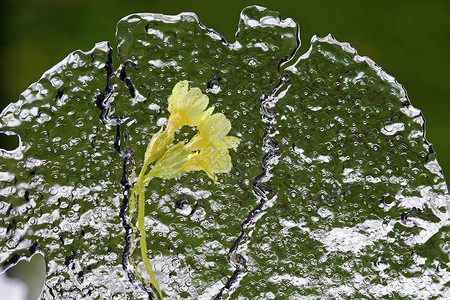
[[209, 161], [226, 142], [194, 103], [178, 93], [158, 145], [171, 163], [216, 125]]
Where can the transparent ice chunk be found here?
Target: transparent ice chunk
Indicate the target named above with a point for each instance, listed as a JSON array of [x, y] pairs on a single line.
[[334, 189]]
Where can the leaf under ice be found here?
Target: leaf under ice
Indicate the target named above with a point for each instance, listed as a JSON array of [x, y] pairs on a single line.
[[334, 189], [362, 205]]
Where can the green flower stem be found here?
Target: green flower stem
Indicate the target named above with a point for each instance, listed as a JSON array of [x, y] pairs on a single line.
[[186, 107], [143, 243], [139, 191]]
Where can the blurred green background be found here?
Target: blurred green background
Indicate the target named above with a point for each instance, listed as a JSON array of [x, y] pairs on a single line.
[[409, 39]]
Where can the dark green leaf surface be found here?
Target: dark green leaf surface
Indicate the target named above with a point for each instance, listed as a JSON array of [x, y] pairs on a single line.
[[334, 191], [362, 206]]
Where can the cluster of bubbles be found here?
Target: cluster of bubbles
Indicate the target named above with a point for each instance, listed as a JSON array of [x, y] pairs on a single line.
[[334, 189]]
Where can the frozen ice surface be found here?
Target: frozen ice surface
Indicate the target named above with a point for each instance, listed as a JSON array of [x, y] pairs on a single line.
[[334, 190]]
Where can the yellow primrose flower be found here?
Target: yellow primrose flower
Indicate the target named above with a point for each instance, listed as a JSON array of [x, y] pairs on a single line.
[[212, 135], [170, 164], [186, 106], [213, 143], [209, 161], [207, 151]]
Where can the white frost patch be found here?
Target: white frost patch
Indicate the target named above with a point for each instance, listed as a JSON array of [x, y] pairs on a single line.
[[84, 79], [415, 134], [215, 89], [428, 230], [138, 98], [420, 287], [288, 224], [351, 175], [294, 280], [392, 129], [161, 121], [357, 238], [212, 291], [7, 191], [343, 289], [154, 106], [314, 108], [197, 195], [161, 64], [309, 160], [13, 289], [323, 212], [410, 111], [324, 158], [154, 226], [434, 167], [171, 283], [185, 210]]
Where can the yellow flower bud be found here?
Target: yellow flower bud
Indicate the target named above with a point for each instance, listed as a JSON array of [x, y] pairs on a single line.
[[186, 106], [158, 145], [170, 165]]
